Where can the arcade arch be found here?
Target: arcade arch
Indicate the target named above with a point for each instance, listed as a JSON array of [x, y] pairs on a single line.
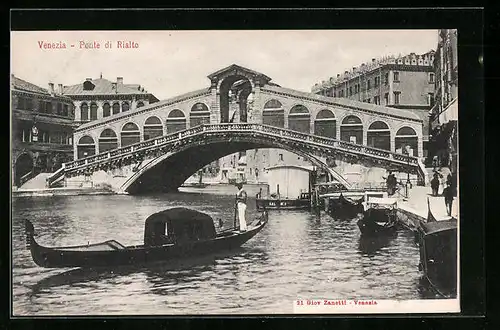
[[176, 121], [325, 124], [351, 129], [273, 114], [108, 140], [85, 147], [299, 119], [130, 134], [152, 128], [406, 137], [379, 136], [199, 115]]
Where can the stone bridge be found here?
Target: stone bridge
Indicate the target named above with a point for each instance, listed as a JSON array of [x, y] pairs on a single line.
[[158, 137]]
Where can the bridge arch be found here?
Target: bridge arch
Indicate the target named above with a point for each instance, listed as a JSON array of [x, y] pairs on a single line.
[[202, 155], [325, 124], [351, 129], [299, 119], [199, 114], [176, 121], [152, 128], [85, 147], [108, 140], [406, 137], [130, 134], [379, 135], [273, 113]]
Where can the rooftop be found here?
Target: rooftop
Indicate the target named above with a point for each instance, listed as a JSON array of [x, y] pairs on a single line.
[[103, 86], [20, 84]]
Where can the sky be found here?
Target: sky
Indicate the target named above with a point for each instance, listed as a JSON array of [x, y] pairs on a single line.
[[170, 63]]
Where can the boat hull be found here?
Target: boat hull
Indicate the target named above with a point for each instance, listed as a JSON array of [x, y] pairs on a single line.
[[378, 222], [283, 204], [138, 255], [344, 208]]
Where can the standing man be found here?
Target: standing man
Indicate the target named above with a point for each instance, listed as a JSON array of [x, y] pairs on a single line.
[[241, 200]]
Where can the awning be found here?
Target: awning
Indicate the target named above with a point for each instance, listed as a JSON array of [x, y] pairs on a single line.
[[450, 113]]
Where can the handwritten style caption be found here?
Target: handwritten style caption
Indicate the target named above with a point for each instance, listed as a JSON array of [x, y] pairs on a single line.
[[83, 45]]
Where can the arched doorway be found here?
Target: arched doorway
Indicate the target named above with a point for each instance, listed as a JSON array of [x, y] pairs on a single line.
[[379, 136], [351, 130], [234, 91], [273, 114], [199, 115], [24, 165], [108, 140], [85, 147], [299, 119], [176, 121], [152, 128], [325, 124], [130, 134], [406, 136]]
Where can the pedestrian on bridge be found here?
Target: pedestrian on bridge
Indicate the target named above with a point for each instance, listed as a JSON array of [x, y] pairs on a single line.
[[241, 201], [435, 184]]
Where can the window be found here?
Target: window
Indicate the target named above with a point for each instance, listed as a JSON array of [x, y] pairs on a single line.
[[116, 108], [386, 98], [281, 157], [386, 78], [41, 106], [48, 107], [376, 99], [21, 103], [125, 106], [106, 110], [397, 96], [368, 84], [65, 110], [140, 104], [93, 111], [334, 94], [431, 78], [84, 111], [350, 91], [369, 100], [59, 109], [377, 81], [396, 76]]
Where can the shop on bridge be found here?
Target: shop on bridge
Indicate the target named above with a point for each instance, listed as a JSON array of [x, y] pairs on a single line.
[[199, 115], [325, 124], [351, 130], [299, 119], [152, 128], [406, 140], [108, 140], [273, 114], [176, 121], [130, 134], [379, 136], [85, 147]]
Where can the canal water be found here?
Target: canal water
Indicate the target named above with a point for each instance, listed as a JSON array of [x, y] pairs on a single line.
[[297, 255]]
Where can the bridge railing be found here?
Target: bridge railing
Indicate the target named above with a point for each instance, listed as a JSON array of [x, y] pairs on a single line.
[[230, 127]]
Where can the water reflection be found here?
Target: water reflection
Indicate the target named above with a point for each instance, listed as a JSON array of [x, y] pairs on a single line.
[[371, 245]]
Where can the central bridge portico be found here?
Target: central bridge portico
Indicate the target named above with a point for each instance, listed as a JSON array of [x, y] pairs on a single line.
[[347, 130]]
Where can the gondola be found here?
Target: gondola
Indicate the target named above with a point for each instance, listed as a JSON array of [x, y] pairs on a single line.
[[172, 234], [379, 217], [438, 254], [344, 207]]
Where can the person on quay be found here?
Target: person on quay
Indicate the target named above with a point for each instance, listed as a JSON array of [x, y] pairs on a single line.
[[241, 200], [435, 184], [448, 198]]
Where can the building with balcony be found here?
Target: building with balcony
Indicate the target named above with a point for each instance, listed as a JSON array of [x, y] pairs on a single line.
[[403, 82], [42, 130], [443, 116], [99, 98]]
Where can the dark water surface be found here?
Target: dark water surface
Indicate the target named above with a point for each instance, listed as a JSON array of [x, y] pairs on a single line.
[[297, 255]]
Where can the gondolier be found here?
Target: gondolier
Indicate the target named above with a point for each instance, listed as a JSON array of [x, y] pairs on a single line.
[[241, 202]]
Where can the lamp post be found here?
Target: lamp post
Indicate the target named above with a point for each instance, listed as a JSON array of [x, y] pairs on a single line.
[[406, 151]]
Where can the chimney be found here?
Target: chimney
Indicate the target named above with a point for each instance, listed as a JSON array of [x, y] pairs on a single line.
[[373, 60], [338, 75], [346, 72], [51, 88], [353, 69], [119, 80], [60, 89], [113, 85]]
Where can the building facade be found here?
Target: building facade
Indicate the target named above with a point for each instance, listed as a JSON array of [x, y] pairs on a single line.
[[404, 82], [42, 130], [444, 114], [100, 98]]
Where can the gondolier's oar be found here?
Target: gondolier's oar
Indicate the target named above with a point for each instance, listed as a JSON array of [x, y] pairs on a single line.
[[235, 210]]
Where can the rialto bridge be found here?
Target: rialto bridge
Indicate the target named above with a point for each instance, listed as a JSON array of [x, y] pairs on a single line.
[[160, 145]]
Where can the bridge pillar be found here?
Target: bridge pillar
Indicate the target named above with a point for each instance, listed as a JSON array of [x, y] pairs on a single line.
[[393, 141], [214, 105], [256, 108], [365, 135]]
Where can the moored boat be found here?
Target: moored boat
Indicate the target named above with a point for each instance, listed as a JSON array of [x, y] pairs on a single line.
[[437, 242], [303, 202], [345, 207], [379, 216], [176, 233]]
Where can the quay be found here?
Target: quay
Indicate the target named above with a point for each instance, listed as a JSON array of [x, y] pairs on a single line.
[[63, 191]]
